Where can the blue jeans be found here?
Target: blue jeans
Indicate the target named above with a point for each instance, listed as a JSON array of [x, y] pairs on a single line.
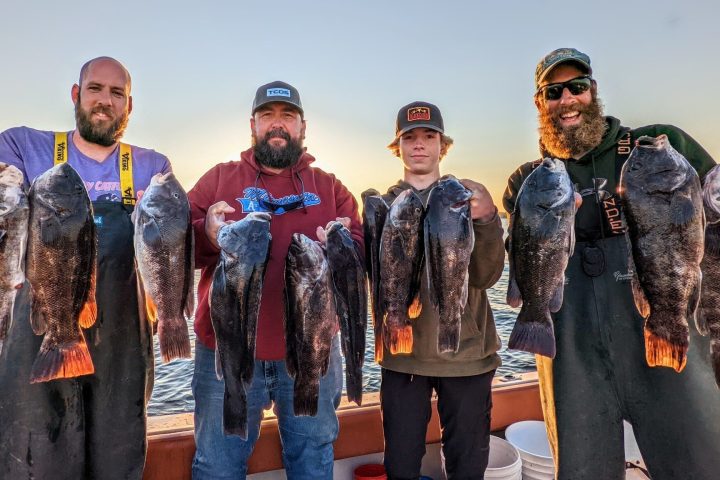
[[307, 441]]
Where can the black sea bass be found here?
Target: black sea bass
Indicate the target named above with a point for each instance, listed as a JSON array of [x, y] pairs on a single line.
[[234, 307], [708, 315], [14, 214], [310, 320], [666, 223], [164, 254], [449, 241], [61, 264], [541, 243]]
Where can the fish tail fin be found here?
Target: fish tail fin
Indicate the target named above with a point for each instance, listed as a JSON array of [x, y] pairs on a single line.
[[448, 337], [235, 412], [715, 358], [401, 340], [61, 361], [174, 339], [415, 308], [305, 401], [660, 352], [379, 345], [532, 336]]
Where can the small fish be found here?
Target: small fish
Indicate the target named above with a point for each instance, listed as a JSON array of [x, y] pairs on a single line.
[[348, 276], [14, 215], [666, 224], [401, 260], [708, 315], [542, 240], [449, 241], [234, 307], [61, 265], [375, 212], [310, 320], [164, 254]]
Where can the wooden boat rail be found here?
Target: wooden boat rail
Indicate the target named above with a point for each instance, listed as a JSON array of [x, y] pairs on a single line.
[[171, 444]]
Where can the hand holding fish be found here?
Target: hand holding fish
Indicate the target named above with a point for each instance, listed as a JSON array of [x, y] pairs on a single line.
[[321, 232], [215, 219], [482, 207]]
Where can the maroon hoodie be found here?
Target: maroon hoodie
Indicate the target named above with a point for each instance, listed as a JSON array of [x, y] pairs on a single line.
[[241, 184]]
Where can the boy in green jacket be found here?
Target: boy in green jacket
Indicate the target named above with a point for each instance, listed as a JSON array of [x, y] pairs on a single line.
[[462, 380]]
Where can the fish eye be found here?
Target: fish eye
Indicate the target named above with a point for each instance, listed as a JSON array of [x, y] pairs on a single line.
[[176, 195]]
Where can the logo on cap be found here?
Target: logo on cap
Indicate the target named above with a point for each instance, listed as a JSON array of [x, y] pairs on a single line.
[[418, 113], [278, 92]]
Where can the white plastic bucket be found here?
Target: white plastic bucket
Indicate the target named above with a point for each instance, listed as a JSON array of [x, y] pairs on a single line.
[[503, 461]]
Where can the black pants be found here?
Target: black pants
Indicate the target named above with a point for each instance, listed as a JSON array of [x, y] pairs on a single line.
[[600, 377], [464, 405]]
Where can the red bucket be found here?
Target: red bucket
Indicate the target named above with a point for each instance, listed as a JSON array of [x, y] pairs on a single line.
[[371, 471]]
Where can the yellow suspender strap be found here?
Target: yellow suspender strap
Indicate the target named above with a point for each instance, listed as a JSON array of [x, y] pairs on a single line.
[[60, 152], [127, 189], [126, 177]]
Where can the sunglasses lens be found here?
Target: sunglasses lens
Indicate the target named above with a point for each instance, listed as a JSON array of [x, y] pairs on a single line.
[[553, 92], [579, 85]]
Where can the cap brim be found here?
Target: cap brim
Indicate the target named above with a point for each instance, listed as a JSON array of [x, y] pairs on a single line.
[[276, 100], [419, 125], [551, 67]]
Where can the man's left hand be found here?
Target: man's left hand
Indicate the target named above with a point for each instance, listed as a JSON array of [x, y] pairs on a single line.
[[321, 232], [482, 207]]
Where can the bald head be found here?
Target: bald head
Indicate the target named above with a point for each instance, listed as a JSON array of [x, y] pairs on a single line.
[[105, 60]]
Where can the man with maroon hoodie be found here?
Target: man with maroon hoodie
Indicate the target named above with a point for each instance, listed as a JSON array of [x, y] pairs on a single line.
[[273, 176]]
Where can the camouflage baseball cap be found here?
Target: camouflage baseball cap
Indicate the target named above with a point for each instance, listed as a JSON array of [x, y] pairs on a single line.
[[555, 58]]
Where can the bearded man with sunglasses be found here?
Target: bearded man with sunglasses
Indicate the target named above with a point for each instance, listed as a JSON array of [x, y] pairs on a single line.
[[273, 176], [599, 376]]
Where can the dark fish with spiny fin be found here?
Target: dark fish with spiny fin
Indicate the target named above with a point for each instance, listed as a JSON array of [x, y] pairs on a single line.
[[61, 265], [542, 239], [310, 320], [449, 241], [401, 259], [375, 212], [14, 215], [348, 276], [666, 223], [708, 315], [234, 307], [165, 260]]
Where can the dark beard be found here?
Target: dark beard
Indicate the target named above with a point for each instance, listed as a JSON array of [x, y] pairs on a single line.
[[272, 157], [576, 140], [105, 135]]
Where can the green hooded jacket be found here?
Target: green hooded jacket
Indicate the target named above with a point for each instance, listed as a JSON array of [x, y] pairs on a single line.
[[479, 341]]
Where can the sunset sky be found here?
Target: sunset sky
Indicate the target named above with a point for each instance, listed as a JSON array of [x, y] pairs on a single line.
[[196, 66]]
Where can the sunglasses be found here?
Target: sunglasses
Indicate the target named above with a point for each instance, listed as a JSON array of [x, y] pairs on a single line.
[[576, 86]]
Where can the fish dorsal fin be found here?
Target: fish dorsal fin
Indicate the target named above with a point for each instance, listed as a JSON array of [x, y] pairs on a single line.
[[189, 286]]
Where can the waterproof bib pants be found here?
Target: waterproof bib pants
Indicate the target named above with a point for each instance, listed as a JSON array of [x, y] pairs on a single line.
[[600, 377], [93, 426]]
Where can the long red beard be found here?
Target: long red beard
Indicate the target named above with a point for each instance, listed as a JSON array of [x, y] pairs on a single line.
[[570, 142]]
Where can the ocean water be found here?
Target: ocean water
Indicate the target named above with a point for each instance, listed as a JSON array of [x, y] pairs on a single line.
[[172, 393]]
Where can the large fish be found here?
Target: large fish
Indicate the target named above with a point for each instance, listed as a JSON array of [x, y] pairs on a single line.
[[348, 276], [542, 239], [708, 315], [164, 253], [310, 320], [61, 264], [14, 214], [234, 306], [401, 259], [666, 223], [449, 241], [375, 212]]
